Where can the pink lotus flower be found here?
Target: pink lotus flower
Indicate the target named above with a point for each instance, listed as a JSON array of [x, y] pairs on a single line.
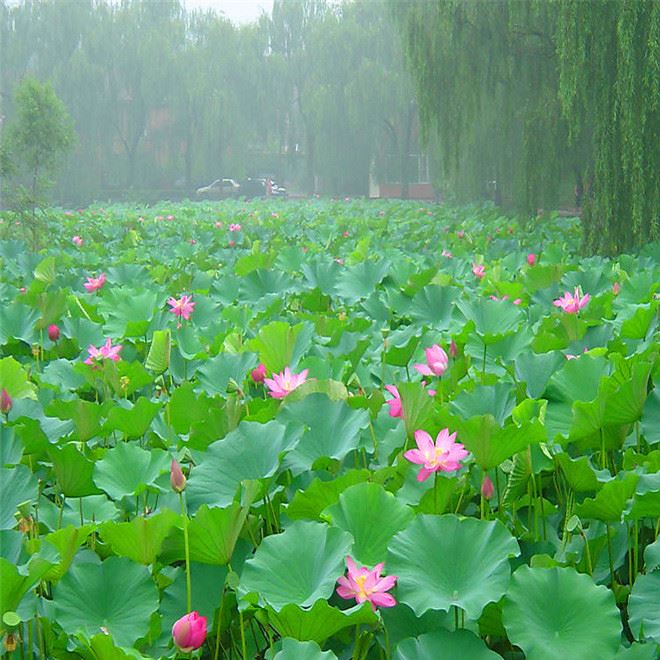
[[53, 332], [447, 253], [572, 304], [345, 234], [94, 283], [6, 402], [170, 217], [281, 384], [218, 225], [479, 270], [395, 403], [437, 362], [182, 307], [531, 259], [77, 241], [443, 456], [259, 373], [189, 632], [232, 243], [460, 233], [365, 585], [516, 301], [234, 227], [177, 478], [487, 487], [105, 352]]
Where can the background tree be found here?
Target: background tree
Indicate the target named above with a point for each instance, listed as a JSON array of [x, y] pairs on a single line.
[[35, 143]]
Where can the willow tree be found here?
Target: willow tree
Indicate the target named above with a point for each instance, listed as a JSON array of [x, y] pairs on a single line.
[[486, 77], [610, 86]]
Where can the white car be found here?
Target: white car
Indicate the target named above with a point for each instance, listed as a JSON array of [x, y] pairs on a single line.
[[220, 189]]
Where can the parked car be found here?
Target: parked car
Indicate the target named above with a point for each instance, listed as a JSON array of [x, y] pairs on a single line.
[[261, 187], [220, 189]]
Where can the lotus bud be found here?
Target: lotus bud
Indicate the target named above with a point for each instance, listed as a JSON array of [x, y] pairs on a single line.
[[189, 632], [53, 332], [6, 402], [453, 349], [616, 287], [531, 258], [177, 478], [259, 373], [487, 488]]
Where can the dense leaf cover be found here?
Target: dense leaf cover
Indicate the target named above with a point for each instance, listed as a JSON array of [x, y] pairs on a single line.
[[542, 544]]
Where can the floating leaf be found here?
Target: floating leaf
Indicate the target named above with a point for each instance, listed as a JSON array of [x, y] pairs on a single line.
[[372, 516], [140, 539], [116, 595], [17, 485], [298, 566], [644, 607], [319, 622], [158, 358], [556, 612], [128, 470], [444, 645], [445, 560]]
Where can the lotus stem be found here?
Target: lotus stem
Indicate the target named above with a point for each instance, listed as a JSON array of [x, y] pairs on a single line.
[[186, 545]]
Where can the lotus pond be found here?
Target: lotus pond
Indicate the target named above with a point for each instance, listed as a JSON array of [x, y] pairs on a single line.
[[326, 429]]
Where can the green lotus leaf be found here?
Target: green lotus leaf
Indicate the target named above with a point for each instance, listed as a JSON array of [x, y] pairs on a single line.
[[73, 471], [132, 420], [417, 406], [213, 533], [496, 400], [646, 502], [14, 379], [309, 503], [11, 447], [433, 305], [644, 607], [372, 516], [252, 451], [15, 583], [208, 584], [260, 283], [445, 560], [579, 473], [281, 345], [492, 319], [160, 351], [140, 539], [66, 541], [610, 501], [86, 416], [444, 645], [18, 322], [359, 280], [215, 374], [401, 622], [17, 485], [536, 369], [117, 595], [127, 311], [651, 418], [128, 470], [331, 430], [652, 555], [319, 622], [299, 566], [295, 650], [557, 612]]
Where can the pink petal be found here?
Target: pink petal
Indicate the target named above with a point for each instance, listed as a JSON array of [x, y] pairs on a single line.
[[382, 600], [424, 441], [423, 369]]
